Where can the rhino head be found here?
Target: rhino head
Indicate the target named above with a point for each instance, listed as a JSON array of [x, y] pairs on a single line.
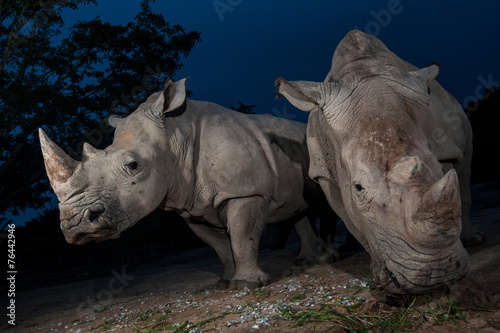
[[109, 190], [374, 162]]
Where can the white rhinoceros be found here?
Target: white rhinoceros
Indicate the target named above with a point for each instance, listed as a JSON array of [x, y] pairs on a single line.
[[386, 144], [228, 173]]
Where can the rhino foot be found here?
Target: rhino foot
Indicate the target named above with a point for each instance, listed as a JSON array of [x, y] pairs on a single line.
[[223, 284], [478, 239], [328, 258], [305, 262], [243, 284]]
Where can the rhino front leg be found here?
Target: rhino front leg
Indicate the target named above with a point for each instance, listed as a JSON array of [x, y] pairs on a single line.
[[218, 239], [469, 235], [245, 222]]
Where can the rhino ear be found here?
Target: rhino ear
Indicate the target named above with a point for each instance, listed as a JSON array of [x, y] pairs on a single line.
[[428, 74], [172, 97], [114, 121], [304, 95], [307, 95]]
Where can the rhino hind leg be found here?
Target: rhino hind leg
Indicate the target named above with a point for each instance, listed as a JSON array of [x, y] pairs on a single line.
[[477, 238], [327, 253], [245, 222], [469, 235], [307, 256]]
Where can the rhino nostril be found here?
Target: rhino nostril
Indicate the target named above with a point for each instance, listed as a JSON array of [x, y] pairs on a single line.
[[93, 214], [394, 280]]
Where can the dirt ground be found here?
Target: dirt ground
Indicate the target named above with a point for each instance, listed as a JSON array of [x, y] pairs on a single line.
[[182, 297]]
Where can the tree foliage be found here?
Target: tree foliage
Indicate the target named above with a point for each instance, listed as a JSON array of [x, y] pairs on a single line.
[[66, 81], [246, 109]]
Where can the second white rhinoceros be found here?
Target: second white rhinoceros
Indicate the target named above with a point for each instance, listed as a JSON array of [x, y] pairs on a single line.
[[392, 150], [228, 173]]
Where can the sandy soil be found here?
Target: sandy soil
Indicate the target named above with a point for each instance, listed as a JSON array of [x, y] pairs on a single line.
[[162, 297]]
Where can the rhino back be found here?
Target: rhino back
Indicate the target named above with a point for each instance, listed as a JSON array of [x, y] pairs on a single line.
[[242, 155]]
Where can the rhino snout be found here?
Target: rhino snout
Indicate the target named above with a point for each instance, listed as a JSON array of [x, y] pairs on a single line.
[[421, 278], [70, 219], [92, 224]]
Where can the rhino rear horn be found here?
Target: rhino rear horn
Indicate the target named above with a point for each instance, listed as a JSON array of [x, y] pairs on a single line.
[[89, 151], [409, 168], [59, 165]]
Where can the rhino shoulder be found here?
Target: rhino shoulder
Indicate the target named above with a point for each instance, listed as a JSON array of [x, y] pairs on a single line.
[[447, 128]]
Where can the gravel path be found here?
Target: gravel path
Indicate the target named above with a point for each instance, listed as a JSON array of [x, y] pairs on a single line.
[[179, 294]]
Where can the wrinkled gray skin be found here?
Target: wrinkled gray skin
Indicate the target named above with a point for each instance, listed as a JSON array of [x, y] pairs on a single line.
[[391, 149], [227, 173]]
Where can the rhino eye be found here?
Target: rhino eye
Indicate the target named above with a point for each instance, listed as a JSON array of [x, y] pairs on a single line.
[[132, 165]]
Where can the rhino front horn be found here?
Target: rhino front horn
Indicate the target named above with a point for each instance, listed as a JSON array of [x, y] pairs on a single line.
[[59, 165], [440, 207], [445, 191]]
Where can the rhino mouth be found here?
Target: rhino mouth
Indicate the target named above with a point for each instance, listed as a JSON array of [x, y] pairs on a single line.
[[84, 238], [414, 277], [93, 224], [389, 282]]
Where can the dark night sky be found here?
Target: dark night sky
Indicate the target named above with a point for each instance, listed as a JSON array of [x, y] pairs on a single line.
[[248, 44]]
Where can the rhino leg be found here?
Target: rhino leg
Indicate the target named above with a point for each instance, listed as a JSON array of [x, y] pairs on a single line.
[[245, 222], [218, 239], [306, 257], [469, 235], [327, 231]]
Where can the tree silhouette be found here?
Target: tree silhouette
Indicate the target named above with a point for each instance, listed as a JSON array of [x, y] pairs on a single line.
[[246, 109], [65, 85], [4, 222]]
